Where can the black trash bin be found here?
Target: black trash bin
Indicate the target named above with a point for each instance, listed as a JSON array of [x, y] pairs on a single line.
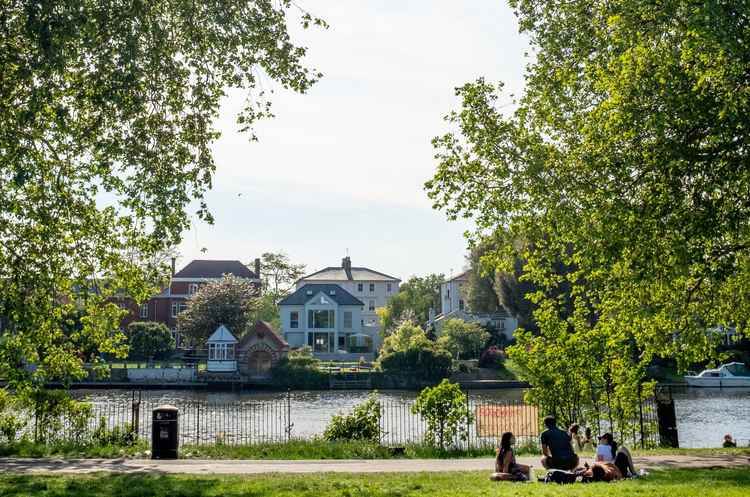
[[164, 439]]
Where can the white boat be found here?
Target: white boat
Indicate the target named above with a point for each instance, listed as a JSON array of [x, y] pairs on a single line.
[[734, 374]]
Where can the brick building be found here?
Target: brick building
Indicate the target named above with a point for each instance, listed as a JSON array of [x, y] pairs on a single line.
[[166, 305]]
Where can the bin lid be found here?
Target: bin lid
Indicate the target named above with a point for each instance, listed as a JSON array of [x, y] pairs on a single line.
[[165, 407]]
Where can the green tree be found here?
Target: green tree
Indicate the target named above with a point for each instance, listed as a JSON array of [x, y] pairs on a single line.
[[148, 339], [463, 340], [480, 290], [230, 301], [624, 161], [446, 411], [413, 301], [107, 114], [278, 276]]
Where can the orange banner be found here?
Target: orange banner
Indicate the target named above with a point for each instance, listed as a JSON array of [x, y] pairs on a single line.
[[493, 421]]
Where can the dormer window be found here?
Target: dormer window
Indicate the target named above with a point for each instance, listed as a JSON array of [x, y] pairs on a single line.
[[332, 292], [309, 292], [193, 288]]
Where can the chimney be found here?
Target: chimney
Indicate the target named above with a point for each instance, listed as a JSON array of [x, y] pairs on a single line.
[[174, 262], [257, 267], [346, 264]]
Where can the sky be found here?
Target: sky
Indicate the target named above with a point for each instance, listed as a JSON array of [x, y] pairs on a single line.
[[340, 170]]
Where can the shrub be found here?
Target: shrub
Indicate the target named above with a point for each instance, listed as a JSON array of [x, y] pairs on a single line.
[[10, 422], [408, 351], [362, 424], [299, 370], [148, 340], [445, 410], [119, 435], [493, 357], [51, 409]]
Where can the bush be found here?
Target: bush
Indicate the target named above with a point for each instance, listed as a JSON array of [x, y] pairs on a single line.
[[116, 436], [51, 409], [408, 351], [493, 357], [362, 424], [428, 364], [299, 370], [445, 410], [10, 422], [148, 340]]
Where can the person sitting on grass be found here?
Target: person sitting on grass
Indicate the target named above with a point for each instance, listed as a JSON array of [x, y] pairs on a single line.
[[557, 447], [607, 453], [506, 467], [575, 435]]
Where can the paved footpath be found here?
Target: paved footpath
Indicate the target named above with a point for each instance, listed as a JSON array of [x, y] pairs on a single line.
[[246, 467]]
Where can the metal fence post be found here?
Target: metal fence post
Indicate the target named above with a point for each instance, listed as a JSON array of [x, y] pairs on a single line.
[[468, 422], [288, 414]]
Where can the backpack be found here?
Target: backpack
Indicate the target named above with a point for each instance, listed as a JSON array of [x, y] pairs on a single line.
[[560, 477]]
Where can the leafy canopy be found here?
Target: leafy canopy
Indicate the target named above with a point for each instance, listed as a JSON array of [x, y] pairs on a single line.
[[106, 122], [149, 339], [414, 299], [624, 160], [229, 301], [463, 340]]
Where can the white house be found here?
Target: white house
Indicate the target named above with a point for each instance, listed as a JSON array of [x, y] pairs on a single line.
[[372, 287], [221, 351], [452, 293], [328, 319], [453, 305]]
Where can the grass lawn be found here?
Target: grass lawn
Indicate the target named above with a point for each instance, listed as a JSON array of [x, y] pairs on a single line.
[[678, 483], [296, 450]]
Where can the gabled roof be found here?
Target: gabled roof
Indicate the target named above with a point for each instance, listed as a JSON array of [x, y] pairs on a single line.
[[333, 292], [214, 269], [355, 274], [222, 334], [263, 328]]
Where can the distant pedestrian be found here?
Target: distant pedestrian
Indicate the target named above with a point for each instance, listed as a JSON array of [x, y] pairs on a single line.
[[729, 442], [557, 447]]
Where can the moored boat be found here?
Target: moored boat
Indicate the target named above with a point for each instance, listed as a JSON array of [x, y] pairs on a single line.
[[734, 374]]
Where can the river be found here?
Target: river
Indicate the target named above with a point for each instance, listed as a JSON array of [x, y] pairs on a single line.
[[703, 415]]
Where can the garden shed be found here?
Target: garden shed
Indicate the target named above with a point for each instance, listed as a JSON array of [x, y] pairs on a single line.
[[221, 351]]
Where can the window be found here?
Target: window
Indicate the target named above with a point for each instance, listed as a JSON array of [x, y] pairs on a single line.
[[144, 310], [388, 287], [448, 294], [321, 319], [372, 305], [348, 320], [461, 304], [193, 288], [294, 319], [220, 351], [342, 341], [360, 287], [178, 307], [372, 287]]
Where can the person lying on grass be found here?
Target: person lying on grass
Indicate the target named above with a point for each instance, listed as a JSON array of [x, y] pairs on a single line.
[[506, 467], [611, 463]]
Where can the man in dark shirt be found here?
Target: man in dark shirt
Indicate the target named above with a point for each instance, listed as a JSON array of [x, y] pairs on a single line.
[[556, 447]]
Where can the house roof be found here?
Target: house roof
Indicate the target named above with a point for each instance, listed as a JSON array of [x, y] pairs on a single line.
[[333, 292], [214, 269], [355, 274], [461, 276], [222, 334], [262, 328]]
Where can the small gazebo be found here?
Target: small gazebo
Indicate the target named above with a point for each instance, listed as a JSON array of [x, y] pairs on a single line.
[[221, 351]]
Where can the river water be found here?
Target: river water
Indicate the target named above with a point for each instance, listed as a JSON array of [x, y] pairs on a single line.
[[703, 415]]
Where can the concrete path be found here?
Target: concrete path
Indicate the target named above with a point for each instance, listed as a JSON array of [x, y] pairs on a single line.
[[247, 467]]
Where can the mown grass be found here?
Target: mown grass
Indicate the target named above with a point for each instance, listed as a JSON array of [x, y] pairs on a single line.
[[682, 483], [296, 450]]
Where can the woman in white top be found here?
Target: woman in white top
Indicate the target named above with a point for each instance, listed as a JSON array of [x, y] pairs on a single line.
[[608, 453]]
